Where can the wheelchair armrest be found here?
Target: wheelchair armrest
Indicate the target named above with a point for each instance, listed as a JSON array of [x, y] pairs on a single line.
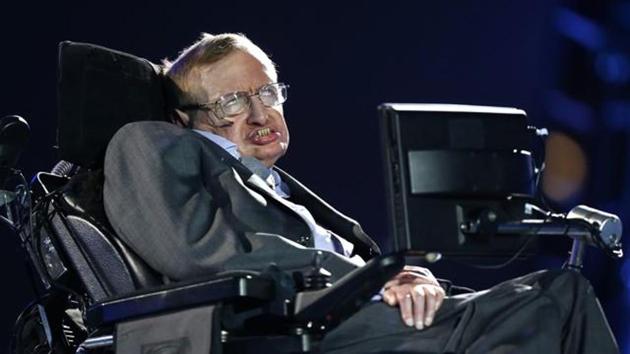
[[179, 296], [325, 307], [332, 305]]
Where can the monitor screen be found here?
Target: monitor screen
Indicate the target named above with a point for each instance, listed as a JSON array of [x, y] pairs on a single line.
[[449, 165]]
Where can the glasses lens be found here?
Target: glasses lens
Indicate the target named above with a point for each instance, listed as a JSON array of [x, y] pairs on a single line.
[[233, 104], [238, 102], [273, 94]]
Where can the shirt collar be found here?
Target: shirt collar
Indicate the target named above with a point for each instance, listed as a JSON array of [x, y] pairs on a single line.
[[226, 144], [279, 186]]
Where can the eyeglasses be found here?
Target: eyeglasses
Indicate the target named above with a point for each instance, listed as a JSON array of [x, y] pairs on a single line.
[[236, 103]]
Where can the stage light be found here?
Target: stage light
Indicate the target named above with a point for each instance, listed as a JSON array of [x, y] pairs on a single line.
[[613, 67], [566, 167], [580, 29]]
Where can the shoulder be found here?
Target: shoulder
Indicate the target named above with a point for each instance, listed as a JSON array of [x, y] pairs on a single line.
[[155, 136], [148, 130], [162, 145]]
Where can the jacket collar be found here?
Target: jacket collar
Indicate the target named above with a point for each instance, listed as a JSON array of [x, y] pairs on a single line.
[[327, 216]]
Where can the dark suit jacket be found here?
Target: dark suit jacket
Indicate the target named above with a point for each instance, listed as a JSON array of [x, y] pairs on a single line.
[[188, 208]]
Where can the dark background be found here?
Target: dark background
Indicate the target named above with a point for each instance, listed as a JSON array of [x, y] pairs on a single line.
[[565, 62]]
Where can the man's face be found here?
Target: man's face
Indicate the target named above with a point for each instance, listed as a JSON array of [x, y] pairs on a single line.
[[239, 71]]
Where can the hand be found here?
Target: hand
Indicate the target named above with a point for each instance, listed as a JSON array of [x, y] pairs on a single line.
[[418, 295]]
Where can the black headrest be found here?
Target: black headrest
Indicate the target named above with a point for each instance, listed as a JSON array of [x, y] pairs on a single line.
[[99, 91]]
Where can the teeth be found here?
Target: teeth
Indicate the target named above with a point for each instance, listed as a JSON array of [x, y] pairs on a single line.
[[263, 132]]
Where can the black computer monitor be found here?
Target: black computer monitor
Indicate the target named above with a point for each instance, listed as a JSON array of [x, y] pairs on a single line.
[[448, 166]]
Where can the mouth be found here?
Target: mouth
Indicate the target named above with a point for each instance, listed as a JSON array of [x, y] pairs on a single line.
[[264, 136]]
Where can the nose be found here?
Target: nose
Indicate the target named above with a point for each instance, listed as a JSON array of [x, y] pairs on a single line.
[[257, 112]]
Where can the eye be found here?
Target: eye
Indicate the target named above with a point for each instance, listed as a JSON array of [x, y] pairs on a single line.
[[269, 93], [233, 104]]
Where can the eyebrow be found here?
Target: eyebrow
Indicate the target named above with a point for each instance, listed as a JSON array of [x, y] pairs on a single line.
[[249, 92]]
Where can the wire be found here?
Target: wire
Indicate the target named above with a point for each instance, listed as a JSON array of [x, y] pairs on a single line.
[[521, 248], [542, 134], [29, 221], [35, 238], [28, 201], [9, 223], [500, 265]]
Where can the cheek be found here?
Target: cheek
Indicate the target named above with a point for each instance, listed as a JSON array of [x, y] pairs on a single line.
[[275, 111], [230, 133], [282, 123]]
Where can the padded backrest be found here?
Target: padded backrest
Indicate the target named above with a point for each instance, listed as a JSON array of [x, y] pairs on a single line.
[[101, 270], [104, 265], [99, 91], [82, 198]]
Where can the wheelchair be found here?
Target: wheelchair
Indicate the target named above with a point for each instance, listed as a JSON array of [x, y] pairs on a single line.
[[94, 288], [96, 295]]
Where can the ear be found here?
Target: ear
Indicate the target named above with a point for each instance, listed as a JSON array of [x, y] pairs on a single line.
[[181, 118]]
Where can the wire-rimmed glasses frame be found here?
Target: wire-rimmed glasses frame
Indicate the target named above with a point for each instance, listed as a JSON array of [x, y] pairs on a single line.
[[236, 103]]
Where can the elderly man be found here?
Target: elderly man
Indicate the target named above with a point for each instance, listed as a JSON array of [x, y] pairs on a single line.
[[203, 195], [211, 199]]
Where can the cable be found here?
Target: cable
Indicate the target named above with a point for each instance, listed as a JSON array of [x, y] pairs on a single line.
[[539, 195], [500, 265], [35, 244], [29, 221], [28, 201], [521, 248], [542, 134]]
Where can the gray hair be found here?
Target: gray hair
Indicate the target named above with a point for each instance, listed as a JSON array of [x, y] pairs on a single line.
[[184, 71]]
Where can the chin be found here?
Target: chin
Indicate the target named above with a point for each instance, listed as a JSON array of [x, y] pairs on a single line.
[[271, 154], [269, 160]]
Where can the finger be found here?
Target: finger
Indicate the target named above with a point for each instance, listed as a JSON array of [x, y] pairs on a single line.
[[405, 276], [391, 283], [400, 279], [389, 297], [408, 273], [418, 270], [405, 307], [431, 300], [419, 296], [415, 278]]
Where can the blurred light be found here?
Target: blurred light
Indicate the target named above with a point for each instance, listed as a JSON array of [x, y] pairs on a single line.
[[624, 273], [617, 114], [565, 170], [612, 67], [580, 29], [570, 112]]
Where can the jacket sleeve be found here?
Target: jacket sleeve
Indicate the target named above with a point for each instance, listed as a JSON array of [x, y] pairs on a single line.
[[158, 201]]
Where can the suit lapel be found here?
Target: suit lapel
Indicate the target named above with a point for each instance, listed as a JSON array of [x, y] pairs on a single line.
[[254, 185], [329, 218], [326, 215], [258, 184]]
